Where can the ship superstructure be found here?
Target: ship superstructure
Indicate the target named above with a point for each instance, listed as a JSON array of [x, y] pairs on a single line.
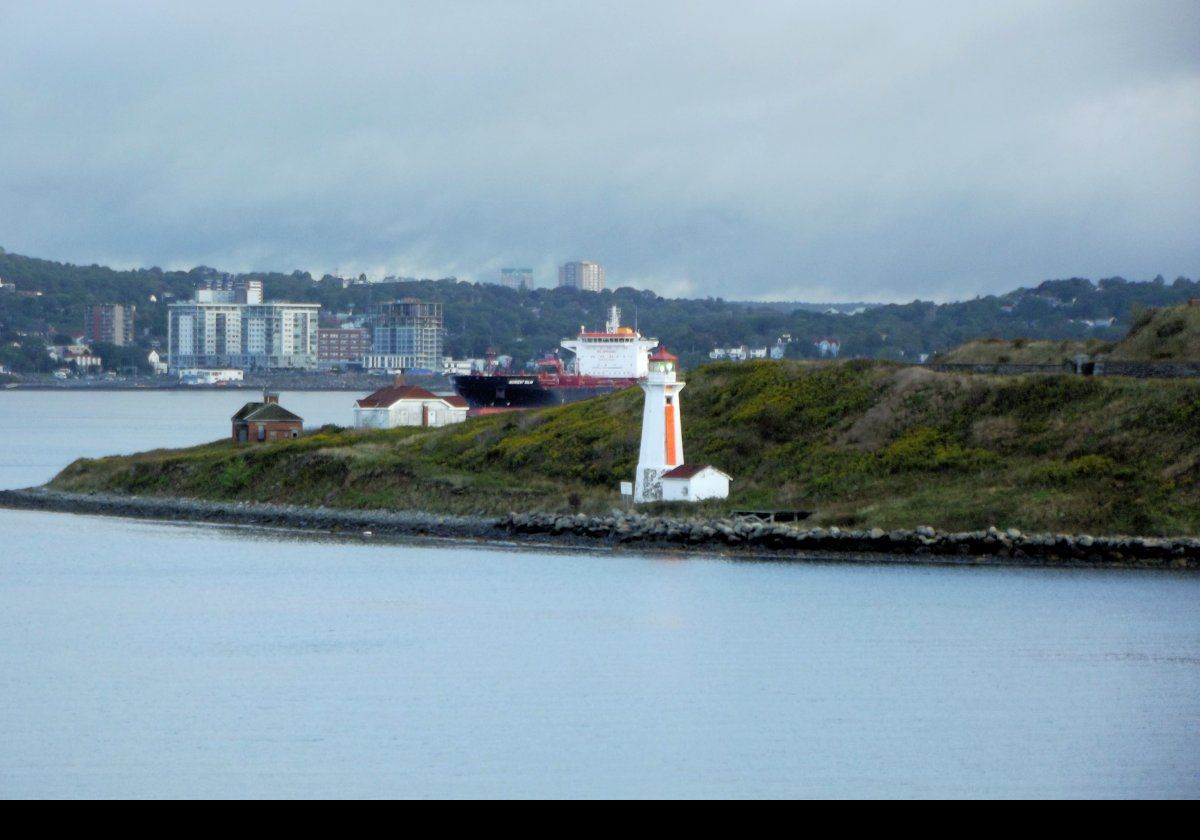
[[618, 352], [604, 362]]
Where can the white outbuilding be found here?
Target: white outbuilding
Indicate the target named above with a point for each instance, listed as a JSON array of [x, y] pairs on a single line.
[[694, 483], [407, 405]]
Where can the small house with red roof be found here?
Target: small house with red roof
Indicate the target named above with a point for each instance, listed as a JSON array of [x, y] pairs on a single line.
[[407, 405], [262, 422], [694, 483]]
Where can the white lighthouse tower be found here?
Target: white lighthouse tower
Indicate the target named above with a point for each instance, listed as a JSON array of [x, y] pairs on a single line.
[[662, 475], [662, 430]]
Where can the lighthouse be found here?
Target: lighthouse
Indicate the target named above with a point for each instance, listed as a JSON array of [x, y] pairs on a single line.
[[662, 475], [662, 431]]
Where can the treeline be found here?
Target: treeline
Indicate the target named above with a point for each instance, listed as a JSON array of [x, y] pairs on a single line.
[[528, 322]]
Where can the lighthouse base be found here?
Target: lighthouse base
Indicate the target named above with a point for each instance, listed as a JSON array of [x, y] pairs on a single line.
[[647, 485]]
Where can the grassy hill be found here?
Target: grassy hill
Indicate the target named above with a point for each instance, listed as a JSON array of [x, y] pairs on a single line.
[[863, 443], [1170, 333]]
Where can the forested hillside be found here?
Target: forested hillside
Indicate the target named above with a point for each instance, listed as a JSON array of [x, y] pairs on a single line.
[[526, 323]]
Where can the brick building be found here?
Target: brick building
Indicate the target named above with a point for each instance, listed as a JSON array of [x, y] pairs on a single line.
[[262, 422], [109, 323], [342, 345]]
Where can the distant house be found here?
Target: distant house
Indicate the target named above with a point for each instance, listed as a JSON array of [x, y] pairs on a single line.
[[828, 346], [63, 352], [261, 422], [694, 483], [83, 360], [406, 405], [156, 362]]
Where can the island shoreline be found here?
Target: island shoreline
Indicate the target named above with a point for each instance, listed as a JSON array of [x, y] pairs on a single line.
[[632, 532]]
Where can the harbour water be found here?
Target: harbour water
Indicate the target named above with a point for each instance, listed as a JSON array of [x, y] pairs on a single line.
[[150, 659]]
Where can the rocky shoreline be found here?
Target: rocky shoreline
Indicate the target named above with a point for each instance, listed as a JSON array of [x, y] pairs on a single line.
[[296, 517], [922, 543], [633, 531]]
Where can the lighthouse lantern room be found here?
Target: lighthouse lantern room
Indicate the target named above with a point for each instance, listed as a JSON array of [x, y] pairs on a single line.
[[662, 434]]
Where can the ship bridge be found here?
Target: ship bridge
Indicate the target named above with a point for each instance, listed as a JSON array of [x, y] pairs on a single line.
[[617, 353]]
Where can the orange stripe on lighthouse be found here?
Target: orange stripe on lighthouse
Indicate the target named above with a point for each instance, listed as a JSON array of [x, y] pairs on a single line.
[[670, 427]]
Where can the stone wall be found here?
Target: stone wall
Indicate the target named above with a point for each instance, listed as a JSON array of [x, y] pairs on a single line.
[[1084, 367], [1002, 369], [1148, 370]]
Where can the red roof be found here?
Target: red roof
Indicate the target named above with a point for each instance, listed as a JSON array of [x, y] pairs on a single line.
[[686, 471], [392, 394], [661, 355]]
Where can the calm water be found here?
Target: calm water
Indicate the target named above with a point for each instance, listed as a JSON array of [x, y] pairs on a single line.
[[43, 431], [147, 659]]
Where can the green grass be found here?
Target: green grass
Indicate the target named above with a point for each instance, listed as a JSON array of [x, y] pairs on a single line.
[[1168, 334], [862, 443], [1171, 333]]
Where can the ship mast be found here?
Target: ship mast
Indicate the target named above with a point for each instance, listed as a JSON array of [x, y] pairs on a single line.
[[614, 320]]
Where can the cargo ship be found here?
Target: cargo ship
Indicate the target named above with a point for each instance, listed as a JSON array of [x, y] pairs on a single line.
[[604, 362]]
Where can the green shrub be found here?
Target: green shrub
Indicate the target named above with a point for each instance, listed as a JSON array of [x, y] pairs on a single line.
[[1170, 328], [1032, 397], [236, 476], [1085, 468], [925, 448]]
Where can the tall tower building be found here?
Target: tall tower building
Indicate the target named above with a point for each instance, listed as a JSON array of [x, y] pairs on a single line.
[[111, 323], [583, 274], [662, 430], [406, 334]]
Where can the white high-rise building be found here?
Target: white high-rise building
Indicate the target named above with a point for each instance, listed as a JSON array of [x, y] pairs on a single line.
[[227, 327], [583, 274]]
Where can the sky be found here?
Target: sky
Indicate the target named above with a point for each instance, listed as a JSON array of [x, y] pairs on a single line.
[[751, 150]]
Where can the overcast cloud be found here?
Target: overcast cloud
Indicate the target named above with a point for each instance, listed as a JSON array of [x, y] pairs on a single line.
[[748, 150]]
